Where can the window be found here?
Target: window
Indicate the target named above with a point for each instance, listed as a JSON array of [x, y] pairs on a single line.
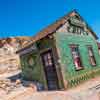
[[91, 56], [76, 57], [48, 59]]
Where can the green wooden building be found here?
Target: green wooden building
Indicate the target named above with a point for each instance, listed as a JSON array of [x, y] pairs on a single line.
[[62, 55]]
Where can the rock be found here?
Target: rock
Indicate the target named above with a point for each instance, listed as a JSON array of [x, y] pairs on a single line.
[[33, 86], [6, 85], [3, 85], [18, 81]]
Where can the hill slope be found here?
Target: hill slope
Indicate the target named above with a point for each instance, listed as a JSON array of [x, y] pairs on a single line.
[[9, 60]]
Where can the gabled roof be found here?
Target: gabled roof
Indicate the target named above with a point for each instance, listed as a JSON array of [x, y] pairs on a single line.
[[53, 27]]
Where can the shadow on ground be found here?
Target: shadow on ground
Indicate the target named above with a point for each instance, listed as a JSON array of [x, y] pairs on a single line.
[[26, 83]]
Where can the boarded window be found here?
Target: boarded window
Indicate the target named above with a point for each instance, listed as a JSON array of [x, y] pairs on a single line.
[[76, 57]]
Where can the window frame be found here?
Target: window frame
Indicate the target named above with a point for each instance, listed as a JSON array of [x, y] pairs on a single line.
[[80, 67], [91, 48], [48, 59]]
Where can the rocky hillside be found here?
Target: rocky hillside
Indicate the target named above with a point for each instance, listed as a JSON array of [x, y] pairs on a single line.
[[9, 60]]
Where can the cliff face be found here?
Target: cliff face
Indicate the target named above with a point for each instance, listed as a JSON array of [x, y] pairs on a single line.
[[9, 60], [15, 42]]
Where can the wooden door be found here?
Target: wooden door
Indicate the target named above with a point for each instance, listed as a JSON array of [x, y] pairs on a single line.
[[50, 70]]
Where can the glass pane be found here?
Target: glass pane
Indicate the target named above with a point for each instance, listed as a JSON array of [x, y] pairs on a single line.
[[49, 56], [46, 60], [45, 57], [50, 62]]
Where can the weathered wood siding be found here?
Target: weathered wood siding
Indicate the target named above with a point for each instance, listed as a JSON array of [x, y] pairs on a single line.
[[72, 76]]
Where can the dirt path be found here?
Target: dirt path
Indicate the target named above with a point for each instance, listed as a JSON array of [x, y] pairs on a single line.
[[28, 91], [90, 90], [53, 96]]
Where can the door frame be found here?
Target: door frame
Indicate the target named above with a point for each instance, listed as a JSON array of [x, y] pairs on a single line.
[[43, 52]]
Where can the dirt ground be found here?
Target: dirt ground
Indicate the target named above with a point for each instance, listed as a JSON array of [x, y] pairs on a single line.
[[86, 91], [89, 90]]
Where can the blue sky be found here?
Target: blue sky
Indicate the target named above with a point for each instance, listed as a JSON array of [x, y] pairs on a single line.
[[27, 17]]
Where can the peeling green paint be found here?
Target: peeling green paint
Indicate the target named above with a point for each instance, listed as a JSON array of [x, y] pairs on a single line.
[[63, 41]]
